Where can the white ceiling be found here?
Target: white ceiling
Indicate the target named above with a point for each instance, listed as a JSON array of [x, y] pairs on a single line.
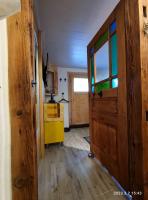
[[69, 25]]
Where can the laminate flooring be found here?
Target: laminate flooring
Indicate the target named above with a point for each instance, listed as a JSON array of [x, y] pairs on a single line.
[[66, 172]]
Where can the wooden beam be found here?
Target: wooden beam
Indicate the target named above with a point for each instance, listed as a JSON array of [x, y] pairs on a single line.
[[22, 103], [122, 103], [41, 85], [134, 95], [143, 16]]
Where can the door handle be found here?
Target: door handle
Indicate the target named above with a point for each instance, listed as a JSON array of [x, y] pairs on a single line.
[[33, 83], [100, 93]]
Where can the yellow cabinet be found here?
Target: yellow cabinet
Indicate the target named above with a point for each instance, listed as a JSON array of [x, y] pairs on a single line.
[[54, 123], [54, 132]]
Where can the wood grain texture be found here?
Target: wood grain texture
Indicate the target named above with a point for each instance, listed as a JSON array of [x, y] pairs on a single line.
[[108, 112], [134, 95], [67, 173], [41, 86], [79, 105], [144, 84], [130, 120], [122, 136], [22, 104]]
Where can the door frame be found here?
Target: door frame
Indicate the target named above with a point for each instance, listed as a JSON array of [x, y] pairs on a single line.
[[71, 75], [22, 103]]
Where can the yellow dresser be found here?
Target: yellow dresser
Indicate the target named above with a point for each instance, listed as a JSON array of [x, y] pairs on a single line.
[[54, 123]]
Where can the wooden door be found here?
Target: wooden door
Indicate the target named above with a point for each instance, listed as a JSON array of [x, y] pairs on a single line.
[[119, 116], [79, 106], [107, 97]]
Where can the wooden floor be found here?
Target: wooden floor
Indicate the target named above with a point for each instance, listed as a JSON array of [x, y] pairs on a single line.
[[67, 173]]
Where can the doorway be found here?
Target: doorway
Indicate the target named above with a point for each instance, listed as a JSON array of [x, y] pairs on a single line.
[[78, 96]]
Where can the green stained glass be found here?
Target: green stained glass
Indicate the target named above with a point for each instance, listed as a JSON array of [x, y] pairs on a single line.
[[102, 39], [102, 86], [114, 55], [92, 70], [115, 83]]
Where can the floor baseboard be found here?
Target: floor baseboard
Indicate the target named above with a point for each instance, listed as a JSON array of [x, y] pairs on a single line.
[[79, 126]]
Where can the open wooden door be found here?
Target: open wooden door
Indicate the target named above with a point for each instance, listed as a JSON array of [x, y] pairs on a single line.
[[118, 77], [78, 95], [108, 109]]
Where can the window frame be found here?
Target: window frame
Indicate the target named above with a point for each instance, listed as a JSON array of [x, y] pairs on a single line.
[[93, 52]]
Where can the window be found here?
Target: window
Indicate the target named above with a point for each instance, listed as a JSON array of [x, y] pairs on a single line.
[[102, 63], [80, 84], [104, 60]]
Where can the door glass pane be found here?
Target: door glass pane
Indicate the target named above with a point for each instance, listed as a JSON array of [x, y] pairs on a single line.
[[102, 63], [102, 86], [113, 27], [115, 83], [114, 55], [92, 70], [93, 89], [80, 84]]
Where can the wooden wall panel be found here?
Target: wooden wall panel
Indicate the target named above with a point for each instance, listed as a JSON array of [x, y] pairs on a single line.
[[22, 104], [105, 105], [105, 145], [144, 85], [104, 133]]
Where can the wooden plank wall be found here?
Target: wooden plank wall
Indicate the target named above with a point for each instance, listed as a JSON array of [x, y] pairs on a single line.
[[144, 85], [22, 103]]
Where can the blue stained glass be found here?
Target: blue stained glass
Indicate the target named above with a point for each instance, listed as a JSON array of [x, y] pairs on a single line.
[[114, 54], [115, 83], [92, 71], [113, 27], [93, 89]]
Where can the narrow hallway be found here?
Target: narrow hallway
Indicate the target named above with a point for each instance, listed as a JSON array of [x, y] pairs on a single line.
[[67, 173]]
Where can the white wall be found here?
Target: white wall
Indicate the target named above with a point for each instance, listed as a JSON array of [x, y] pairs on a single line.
[[63, 87], [5, 144]]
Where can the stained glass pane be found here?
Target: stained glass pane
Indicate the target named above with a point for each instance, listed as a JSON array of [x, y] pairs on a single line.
[[115, 83], [114, 55], [102, 63], [93, 89], [113, 27], [102, 86], [92, 70], [103, 38]]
